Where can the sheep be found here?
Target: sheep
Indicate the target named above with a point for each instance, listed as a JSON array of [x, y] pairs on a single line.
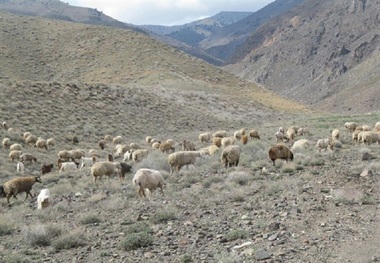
[[15, 146], [75, 140], [156, 145], [121, 150], [242, 131], [210, 150], [64, 155], [282, 130], [253, 134], [355, 137], [204, 137], [44, 199], [325, 143], [46, 168], [226, 141], [166, 147], [154, 140], [187, 146], [108, 138], [366, 128], [41, 143], [125, 168], [171, 141], [110, 157], [181, 158], [217, 141], [244, 139], [148, 139], [237, 135], [31, 139], [15, 154], [104, 168], [87, 162], [19, 185], [219, 134], [148, 179], [6, 143], [368, 137], [350, 126], [300, 145], [280, 137], [230, 156], [26, 134], [303, 131], [102, 144], [77, 154], [5, 125], [280, 151], [134, 146], [136, 155], [67, 166], [117, 140], [377, 127], [50, 142], [93, 153], [20, 168], [335, 135], [291, 133]]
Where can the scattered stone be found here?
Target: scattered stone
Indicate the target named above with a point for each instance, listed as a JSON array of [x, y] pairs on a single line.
[[273, 237], [273, 226], [262, 254], [366, 172], [243, 245], [366, 156]]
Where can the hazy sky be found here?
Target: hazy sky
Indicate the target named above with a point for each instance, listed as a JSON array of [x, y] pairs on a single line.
[[167, 12]]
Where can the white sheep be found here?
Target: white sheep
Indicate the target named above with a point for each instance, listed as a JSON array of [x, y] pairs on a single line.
[[335, 134], [230, 156], [31, 139], [67, 166], [26, 134], [210, 150], [325, 143], [6, 143], [135, 155], [280, 137], [377, 127], [300, 145], [181, 158], [121, 149], [44, 199], [291, 133], [50, 142], [87, 162], [204, 137], [226, 141], [104, 168], [237, 135], [148, 139], [148, 179], [220, 134], [117, 140], [20, 167], [15, 154], [15, 146], [41, 143], [156, 145], [350, 126]]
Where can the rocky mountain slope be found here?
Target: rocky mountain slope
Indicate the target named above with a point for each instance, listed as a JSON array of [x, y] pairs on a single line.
[[320, 53]]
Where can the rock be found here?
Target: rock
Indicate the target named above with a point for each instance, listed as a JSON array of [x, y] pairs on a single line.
[[366, 172], [366, 156], [262, 254], [273, 237], [273, 226], [243, 245]]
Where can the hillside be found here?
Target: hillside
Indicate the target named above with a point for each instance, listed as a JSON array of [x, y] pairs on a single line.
[[318, 54]]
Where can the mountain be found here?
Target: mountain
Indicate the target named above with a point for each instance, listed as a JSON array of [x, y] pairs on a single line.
[[323, 54]]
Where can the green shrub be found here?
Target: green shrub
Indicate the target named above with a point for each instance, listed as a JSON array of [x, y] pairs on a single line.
[[136, 240], [90, 219], [163, 216], [5, 228], [139, 227], [236, 234], [70, 240]]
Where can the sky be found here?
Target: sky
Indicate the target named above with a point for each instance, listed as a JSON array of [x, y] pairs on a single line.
[[167, 12]]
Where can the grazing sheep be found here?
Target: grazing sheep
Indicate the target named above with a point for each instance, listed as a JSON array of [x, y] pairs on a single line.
[[368, 137], [136, 155], [87, 162], [104, 168], [6, 143], [377, 127], [41, 143], [110, 157], [325, 143], [154, 140], [280, 151], [67, 166], [19, 185], [187, 146], [355, 136], [242, 131], [226, 141], [244, 139], [230, 156], [280, 137], [20, 168], [2, 193], [335, 135], [350, 126], [217, 141], [300, 145], [148, 179], [366, 128], [237, 135], [64, 155], [50, 142], [121, 150], [77, 154], [108, 138], [125, 168], [117, 140], [210, 150], [15, 146], [219, 134], [303, 131], [282, 130], [93, 153], [44, 199], [26, 134], [148, 139], [46, 168], [204, 137], [15, 154], [156, 145], [253, 134], [5, 125], [181, 158], [31, 139], [166, 147], [102, 144], [291, 134]]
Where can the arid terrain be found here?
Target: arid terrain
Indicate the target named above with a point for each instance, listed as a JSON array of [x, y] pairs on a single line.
[[64, 80]]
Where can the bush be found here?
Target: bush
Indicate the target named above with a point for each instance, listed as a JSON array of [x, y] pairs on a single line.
[[136, 240], [5, 228], [70, 240], [236, 234], [90, 219], [163, 216], [139, 227]]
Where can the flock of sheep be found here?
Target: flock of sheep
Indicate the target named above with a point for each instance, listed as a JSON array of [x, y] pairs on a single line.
[[229, 148]]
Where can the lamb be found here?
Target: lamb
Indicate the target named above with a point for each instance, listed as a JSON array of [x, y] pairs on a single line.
[[325, 143], [41, 143], [217, 141], [204, 137], [102, 144], [67, 166], [244, 139], [15, 154], [46, 168], [148, 179], [117, 140], [280, 151], [350, 126], [181, 158], [187, 146], [6, 143], [219, 134], [166, 147], [19, 185], [87, 162], [20, 168], [125, 168], [104, 168], [44, 199], [253, 134], [15, 146], [230, 156], [335, 135], [50, 142], [31, 139], [280, 137]]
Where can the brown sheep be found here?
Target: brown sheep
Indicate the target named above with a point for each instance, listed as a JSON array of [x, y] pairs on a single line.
[[217, 141], [102, 144], [46, 168], [244, 139], [28, 157], [280, 151], [230, 156], [253, 134], [19, 185], [166, 147]]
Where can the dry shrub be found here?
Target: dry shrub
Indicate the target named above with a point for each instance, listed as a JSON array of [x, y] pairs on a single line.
[[155, 160], [240, 178], [41, 235], [70, 240]]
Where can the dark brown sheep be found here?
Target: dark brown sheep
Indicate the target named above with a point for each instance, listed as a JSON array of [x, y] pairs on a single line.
[[280, 151], [46, 168], [102, 144]]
